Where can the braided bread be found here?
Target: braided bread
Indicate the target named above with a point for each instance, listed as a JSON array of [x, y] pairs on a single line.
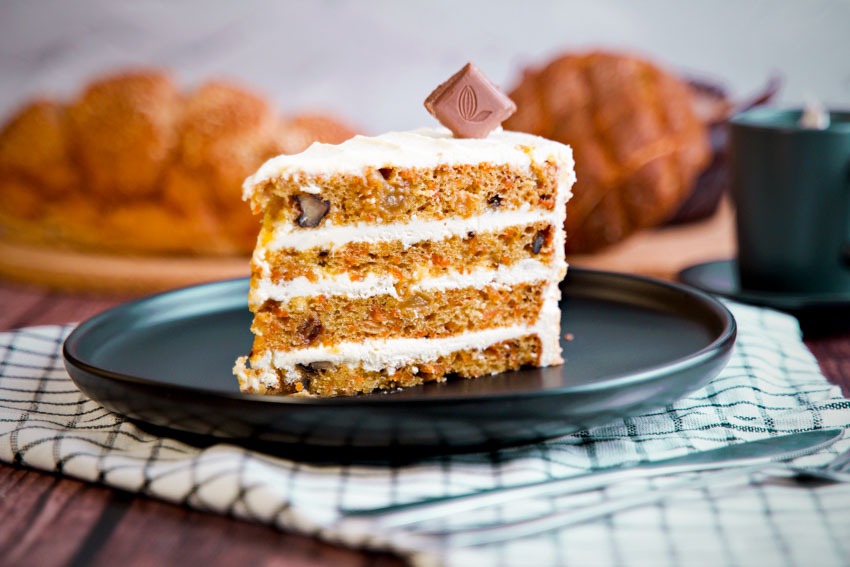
[[132, 165]]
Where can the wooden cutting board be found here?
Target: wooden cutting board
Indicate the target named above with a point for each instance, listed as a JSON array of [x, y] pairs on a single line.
[[660, 253], [70, 270], [664, 252]]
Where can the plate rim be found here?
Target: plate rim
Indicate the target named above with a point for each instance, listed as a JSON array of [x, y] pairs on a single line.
[[720, 346]]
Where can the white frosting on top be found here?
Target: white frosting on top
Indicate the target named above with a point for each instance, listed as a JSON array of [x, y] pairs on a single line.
[[422, 148]]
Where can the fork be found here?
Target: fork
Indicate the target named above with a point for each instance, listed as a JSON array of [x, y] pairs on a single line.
[[837, 470], [761, 452]]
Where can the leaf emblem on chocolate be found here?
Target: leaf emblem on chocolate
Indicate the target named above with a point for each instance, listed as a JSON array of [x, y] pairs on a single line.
[[467, 103], [467, 106]]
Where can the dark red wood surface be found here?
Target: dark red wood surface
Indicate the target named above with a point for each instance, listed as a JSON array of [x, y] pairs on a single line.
[[50, 521]]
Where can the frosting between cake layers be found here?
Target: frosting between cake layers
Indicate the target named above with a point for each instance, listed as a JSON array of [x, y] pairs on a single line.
[[527, 270], [422, 148], [331, 236]]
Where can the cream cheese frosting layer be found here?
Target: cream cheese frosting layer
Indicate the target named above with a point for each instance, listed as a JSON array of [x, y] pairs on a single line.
[[422, 148], [330, 236], [527, 270], [379, 354]]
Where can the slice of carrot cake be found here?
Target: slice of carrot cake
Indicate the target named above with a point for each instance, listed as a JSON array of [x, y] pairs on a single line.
[[390, 261]]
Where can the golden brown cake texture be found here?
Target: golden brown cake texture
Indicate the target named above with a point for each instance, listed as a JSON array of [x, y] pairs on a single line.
[[639, 145], [390, 261], [132, 165]]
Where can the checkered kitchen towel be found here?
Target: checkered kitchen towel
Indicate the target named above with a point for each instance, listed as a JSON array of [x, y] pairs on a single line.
[[772, 385]]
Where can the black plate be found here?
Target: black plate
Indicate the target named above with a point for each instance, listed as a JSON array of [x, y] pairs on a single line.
[[639, 344], [818, 313]]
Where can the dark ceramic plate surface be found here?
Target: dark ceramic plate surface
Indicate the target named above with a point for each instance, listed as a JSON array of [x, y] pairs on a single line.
[[639, 344]]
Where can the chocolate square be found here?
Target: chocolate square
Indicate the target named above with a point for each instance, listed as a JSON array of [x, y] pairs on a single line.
[[469, 104]]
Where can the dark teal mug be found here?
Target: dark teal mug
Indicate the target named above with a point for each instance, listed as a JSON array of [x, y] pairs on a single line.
[[791, 187]]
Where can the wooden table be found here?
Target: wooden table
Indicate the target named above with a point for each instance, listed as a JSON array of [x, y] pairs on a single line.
[[49, 521]]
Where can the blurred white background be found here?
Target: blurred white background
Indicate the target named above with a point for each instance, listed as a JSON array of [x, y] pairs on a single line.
[[374, 62]]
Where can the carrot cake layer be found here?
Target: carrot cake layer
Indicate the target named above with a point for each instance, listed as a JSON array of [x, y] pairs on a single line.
[[327, 378], [424, 174], [323, 320]]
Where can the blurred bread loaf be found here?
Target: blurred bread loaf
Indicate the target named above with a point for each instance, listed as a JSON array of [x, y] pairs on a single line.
[[133, 165], [637, 140]]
